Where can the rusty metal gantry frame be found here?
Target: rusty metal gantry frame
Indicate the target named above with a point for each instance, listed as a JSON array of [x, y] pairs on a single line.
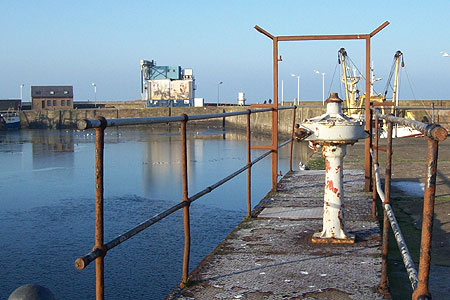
[[275, 40], [100, 249], [434, 134]]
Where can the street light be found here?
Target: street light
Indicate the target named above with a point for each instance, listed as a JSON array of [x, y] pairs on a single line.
[[95, 94], [21, 94], [298, 88], [282, 93], [218, 92], [323, 85]]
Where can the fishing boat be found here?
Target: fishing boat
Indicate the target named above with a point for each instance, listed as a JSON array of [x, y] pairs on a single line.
[[10, 120], [354, 101]]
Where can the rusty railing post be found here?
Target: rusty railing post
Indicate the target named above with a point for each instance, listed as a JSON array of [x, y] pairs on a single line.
[[249, 170], [375, 161], [368, 125], [99, 230], [384, 286], [186, 221], [422, 291], [292, 138], [275, 116]]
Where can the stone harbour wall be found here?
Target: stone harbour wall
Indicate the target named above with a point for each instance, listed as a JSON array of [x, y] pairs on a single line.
[[60, 119]]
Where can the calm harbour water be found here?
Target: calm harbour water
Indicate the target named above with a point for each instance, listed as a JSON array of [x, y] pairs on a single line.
[[47, 205]]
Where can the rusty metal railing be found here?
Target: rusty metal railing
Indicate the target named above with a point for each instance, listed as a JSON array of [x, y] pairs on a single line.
[[434, 134], [100, 124]]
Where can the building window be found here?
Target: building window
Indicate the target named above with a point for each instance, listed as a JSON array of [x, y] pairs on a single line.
[[43, 103], [49, 103], [52, 92], [63, 102], [54, 102], [68, 102]]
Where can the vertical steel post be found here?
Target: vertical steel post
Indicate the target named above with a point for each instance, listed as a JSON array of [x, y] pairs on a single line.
[[387, 184], [223, 126], [375, 148], [368, 125], [99, 262], [433, 119], [422, 292], [275, 117], [249, 170], [292, 138], [384, 286], [187, 230]]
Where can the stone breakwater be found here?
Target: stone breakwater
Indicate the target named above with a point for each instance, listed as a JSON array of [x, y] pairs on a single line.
[[61, 119]]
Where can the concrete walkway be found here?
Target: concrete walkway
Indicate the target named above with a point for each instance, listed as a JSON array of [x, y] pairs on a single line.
[[271, 255]]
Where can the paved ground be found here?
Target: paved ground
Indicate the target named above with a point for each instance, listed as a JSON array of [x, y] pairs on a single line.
[[273, 257]]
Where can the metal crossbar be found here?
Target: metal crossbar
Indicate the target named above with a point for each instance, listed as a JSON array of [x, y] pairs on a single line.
[[94, 123]]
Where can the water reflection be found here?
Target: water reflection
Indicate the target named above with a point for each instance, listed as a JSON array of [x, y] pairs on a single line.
[[210, 158], [161, 163], [47, 146], [47, 207]]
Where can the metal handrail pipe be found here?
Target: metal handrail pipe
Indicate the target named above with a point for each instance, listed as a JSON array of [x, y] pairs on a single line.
[[284, 143], [85, 260], [406, 256], [225, 179], [260, 157], [433, 131], [92, 123], [287, 107], [219, 183]]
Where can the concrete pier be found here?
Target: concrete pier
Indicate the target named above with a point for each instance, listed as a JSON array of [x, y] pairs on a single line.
[[271, 256]]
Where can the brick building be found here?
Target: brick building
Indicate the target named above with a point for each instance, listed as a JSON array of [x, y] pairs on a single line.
[[51, 97]]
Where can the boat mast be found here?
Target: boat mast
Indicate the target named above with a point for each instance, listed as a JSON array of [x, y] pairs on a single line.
[[341, 57], [397, 56]]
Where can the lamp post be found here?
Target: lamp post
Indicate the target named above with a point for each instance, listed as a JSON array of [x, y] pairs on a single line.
[[298, 88], [218, 92], [323, 85], [95, 94], [21, 94], [282, 93]]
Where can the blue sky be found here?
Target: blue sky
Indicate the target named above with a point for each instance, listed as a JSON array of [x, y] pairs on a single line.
[[80, 42]]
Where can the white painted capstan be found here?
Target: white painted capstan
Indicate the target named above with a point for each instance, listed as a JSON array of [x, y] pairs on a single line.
[[334, 126], [333, 131]]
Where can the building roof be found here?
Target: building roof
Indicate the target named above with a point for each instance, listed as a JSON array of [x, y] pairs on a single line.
[[6, 104], [51, 92]]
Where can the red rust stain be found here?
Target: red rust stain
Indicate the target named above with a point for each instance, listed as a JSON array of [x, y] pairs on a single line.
[[337, 169], [327, 165], [338, 195], [331, 187], [327, 204]]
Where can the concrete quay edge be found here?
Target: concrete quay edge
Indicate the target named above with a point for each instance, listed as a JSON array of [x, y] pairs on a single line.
[[274, 258]]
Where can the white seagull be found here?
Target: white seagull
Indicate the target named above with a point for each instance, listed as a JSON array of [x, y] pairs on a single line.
[[445, 54]]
